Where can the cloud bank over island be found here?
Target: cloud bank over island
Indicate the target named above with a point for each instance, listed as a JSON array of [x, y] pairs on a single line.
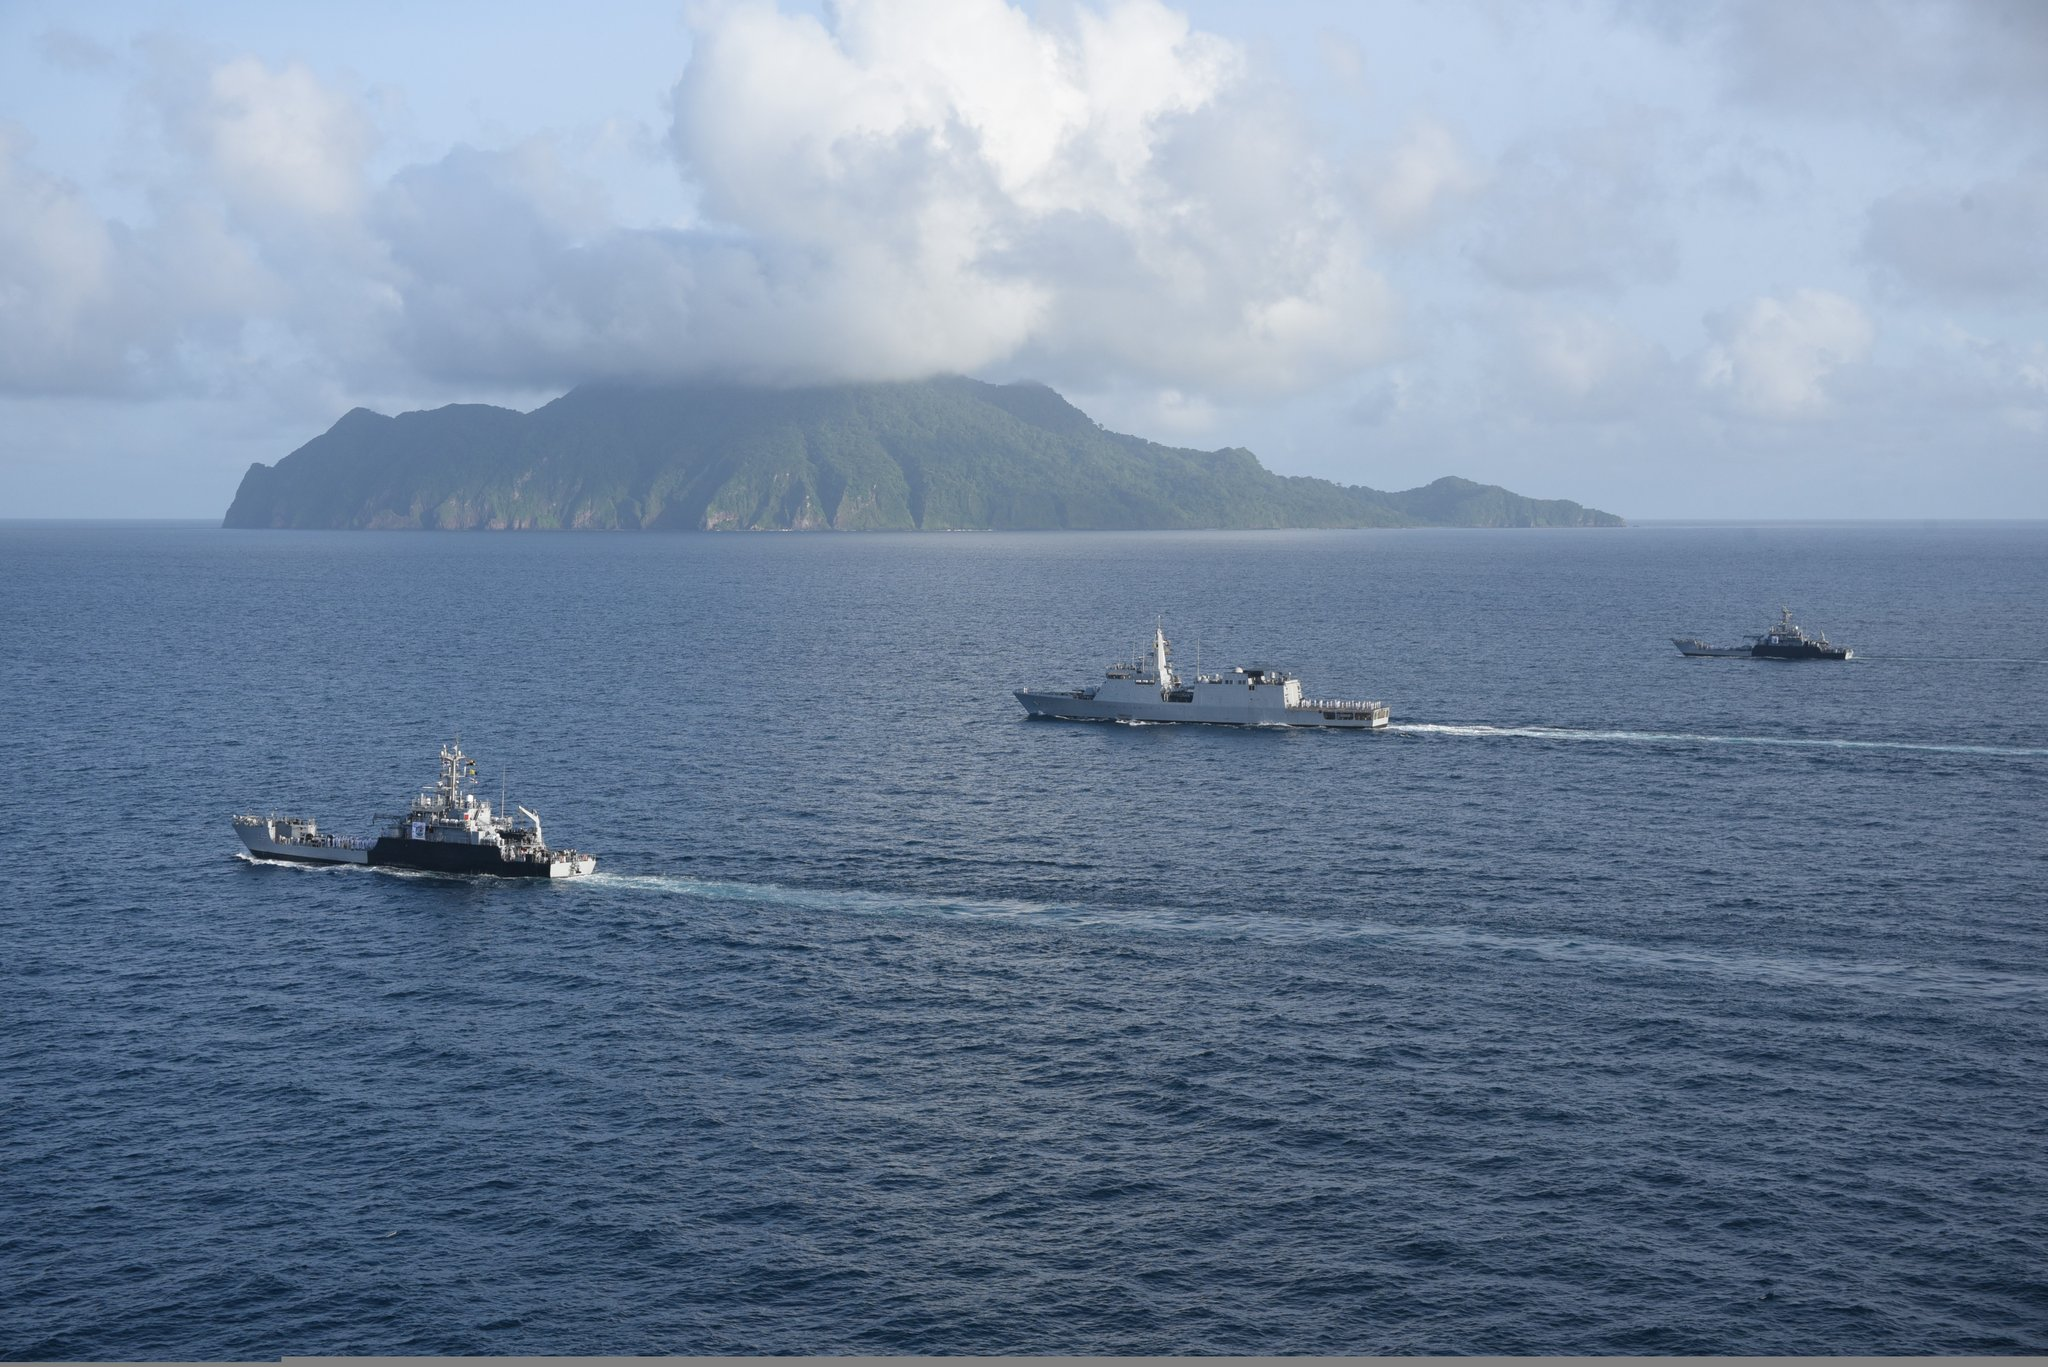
[[918, 189], [1626, 255]]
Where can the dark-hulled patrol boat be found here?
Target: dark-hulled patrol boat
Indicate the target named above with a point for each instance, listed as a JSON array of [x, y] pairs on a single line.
[[448, 829], [1784, 639]]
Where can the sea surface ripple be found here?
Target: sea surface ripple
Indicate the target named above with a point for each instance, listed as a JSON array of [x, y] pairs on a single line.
[[1611, 1002]]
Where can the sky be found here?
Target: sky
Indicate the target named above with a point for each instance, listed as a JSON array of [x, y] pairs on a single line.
[[1727, 259]]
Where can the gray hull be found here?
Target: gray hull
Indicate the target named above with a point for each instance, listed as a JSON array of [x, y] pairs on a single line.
[[1250, 712], [448, 829], [1783, 640], [1154, 691], [271, 840], [1698, 649]]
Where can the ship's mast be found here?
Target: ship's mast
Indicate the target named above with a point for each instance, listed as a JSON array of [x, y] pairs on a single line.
[[452, 775]]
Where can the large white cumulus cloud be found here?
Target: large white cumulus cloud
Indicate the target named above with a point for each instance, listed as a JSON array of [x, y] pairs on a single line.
[[277, 140], [1778, 357], [248, 247], [947, 184], [914, 186], [61, 270], [90, 305]]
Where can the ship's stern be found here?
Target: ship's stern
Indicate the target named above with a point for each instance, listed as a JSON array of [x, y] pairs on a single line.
[[295, 841]]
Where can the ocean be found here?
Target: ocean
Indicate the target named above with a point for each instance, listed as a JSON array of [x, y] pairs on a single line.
[[1609, 1002]]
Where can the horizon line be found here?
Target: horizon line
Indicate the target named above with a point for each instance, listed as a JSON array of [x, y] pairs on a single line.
[[214, 522]]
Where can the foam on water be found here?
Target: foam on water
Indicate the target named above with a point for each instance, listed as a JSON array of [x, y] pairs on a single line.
[[836, 900], [1567, 733], [1952, 659], [1275, 928], [387, 871]]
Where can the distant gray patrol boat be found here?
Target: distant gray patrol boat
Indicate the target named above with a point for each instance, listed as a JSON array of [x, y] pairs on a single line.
[[447, 830], [1784, 639], [1150, 690]]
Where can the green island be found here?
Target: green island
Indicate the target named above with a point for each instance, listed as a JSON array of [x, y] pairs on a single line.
[[944, 454]]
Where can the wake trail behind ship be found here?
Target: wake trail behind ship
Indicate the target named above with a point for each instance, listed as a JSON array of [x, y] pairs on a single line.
[[1568, 733], [1787, 970]]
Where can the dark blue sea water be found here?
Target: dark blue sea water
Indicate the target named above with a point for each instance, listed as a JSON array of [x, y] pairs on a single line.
[[1610, 1003]]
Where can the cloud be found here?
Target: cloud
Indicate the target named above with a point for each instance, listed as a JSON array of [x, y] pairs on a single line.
[[917, 186], [74, 51], [279, 139], [62, 272], [1894, 60], [962, 185], [1776, 357], [1409, 187], [1988, 243], [2027, 407], [1580, 366], [1961, 379], [249, 234], [1583, 210], [91, 306]]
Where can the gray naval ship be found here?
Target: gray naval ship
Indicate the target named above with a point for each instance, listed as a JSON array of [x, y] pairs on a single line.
[[1150, 690], [448, 829], [1784, 639]]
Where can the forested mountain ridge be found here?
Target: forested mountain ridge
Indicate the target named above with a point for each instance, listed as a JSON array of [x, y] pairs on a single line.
[[931, 455]]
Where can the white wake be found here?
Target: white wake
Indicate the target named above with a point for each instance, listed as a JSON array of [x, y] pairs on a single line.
[[1278, 929], [1567, 733]]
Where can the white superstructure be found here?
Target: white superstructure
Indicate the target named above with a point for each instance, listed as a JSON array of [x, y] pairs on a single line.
[[1151, 690]]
